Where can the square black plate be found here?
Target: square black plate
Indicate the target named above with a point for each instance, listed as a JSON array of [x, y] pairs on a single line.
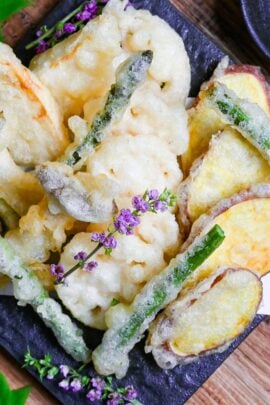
[[21, 327]]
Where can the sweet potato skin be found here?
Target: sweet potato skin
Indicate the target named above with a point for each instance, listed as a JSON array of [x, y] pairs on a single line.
[[239, 292]]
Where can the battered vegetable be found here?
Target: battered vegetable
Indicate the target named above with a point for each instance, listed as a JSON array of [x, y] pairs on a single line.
[[28, 290], [8, 216], [131, 73], [111, 357], [248, 118]]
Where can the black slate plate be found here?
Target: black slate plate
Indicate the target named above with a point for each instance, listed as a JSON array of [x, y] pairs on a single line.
[[21, 327], [257, 17]]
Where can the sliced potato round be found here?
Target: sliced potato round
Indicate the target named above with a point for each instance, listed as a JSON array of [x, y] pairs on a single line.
[[231, 164], [207, 319], [245, 219]]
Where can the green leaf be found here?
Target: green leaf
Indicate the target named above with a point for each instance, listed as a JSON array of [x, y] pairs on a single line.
[[4, 390], [19, 397], [12, 397], [10, 7]]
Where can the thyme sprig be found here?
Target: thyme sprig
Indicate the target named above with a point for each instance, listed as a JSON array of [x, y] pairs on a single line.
[[75, 20], [151, 201], [72, 380]]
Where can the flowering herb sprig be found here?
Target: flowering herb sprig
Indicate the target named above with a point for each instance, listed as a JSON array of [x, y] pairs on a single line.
[[72, 380], [123, 224], [48, 37]]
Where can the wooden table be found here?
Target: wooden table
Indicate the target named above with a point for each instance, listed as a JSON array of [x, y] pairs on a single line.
[[244, 378]]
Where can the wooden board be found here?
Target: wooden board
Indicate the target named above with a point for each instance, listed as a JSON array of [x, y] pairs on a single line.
[[244, 378]]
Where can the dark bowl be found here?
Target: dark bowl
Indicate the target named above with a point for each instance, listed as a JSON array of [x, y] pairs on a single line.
[[257, 17]]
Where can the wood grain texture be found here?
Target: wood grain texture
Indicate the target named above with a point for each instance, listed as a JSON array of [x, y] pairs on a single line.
[[243, 379]]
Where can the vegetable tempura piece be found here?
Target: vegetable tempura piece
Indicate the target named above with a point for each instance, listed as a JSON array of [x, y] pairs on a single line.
[[18, 188], [39, 234], [28, 290], [8, 216], [128, 77], [248, 118], [111, 357], [31, 124], [230, 165], [58, 180], [207, 319]]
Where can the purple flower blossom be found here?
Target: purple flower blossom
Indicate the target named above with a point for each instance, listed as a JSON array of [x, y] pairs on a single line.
[[98, 383], [153, 195], [160, 206], [69, 28], [75, 385], [114, 399], [64, 370], [58, 34], [139, 204], [131, 393], [90, 266], [58, 271], [42, 46], [50, 377], [129, 4], [64, 384], [98, 237], [80, 256], [125, 222], [84, 15], [92, 7], [39, 33], [110, 242], [94, 395]]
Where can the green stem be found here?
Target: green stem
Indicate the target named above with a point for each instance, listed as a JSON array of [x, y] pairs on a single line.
[[55, 27], [80, 264]]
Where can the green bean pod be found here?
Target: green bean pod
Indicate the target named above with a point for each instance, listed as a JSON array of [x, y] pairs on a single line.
[[129, 76], [28, 290], [248, 118]]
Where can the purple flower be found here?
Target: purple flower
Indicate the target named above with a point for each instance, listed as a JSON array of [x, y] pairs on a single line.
[[129, 4], [114, 399], [92, 7], [139, 204], [84, 15], [125, 222], [131, 393], [50, 377], [58, 34], [160, 206], [94, 395], [75, 385], [69, 28], [64, 384], [98, 383], [39, 33], [90, 266], [153, 194], [98, 237], [58, 271], [42, 46], [64, 370], [80, 256], [110, 242]]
